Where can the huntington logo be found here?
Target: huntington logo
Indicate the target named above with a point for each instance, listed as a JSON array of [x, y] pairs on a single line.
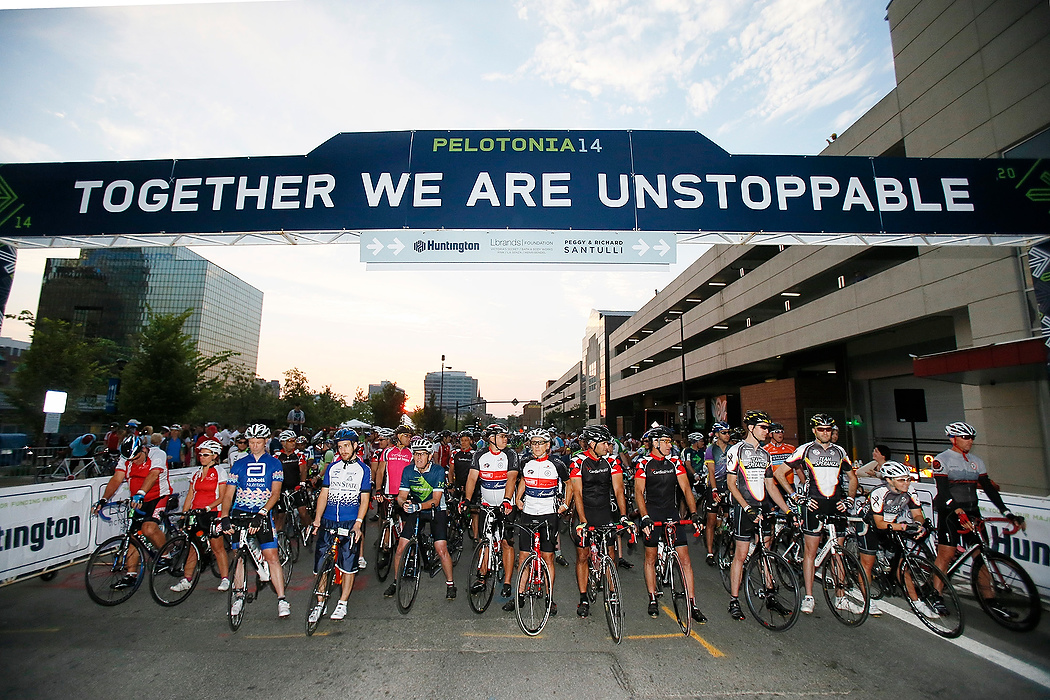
[[445, 246], [419, 246]]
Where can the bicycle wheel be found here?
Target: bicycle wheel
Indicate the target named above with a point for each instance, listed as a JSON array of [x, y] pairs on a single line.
[[924, 575], [408, 572], [772, 591], [725, 550], [480, 587], [384, 557], [165, 578], [284, 555], [611, 593], [532, 604], [592, 583], [845, 588], [788, 545], [324, 586], [291, 533], [679, 593], [107, 568], [1016, 599], [238, 597]]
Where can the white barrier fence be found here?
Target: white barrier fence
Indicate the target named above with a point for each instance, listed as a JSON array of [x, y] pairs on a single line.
[[45, 526]]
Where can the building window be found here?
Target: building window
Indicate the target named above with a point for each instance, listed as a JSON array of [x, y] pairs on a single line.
[[594, 410]]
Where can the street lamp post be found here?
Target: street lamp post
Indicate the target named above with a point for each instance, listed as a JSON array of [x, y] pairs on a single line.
[[441, 401], [681, 331]]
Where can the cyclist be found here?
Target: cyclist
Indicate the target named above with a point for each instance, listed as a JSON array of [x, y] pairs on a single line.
[[254, 486], [205, 495], [491, 473], [238, 450], [958, 473], [893, 508], [751, 496], [780, 451], [421, 496], [342, 503], [145, 468], [392, 462], [293, 462], [715, 466], [657, 481], [595, 481], [540, 487], [821, 463], [693, 461], [384, 437]]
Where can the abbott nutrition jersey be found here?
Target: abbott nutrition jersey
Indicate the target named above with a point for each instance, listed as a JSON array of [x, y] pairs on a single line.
[[822, 465], [492, 468], [755, 465], [253, 478]]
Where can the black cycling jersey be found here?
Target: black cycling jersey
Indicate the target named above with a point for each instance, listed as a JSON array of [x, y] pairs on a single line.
[[596, 476], [660, 489], [293, 464], [461, 461]]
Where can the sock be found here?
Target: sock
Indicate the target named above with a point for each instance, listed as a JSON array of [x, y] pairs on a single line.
[[450, 583], [583, 598]]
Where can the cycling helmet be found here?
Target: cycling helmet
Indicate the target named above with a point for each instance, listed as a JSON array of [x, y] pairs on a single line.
[[695, 437], [130, 446], [421, 444], [402, 429], [495, 429], [719, 426], [894, 470], [776, 428], [538, 434], [286, 435], [657, 432], [344, 434], [737, 434], [595, 433], [822, 420], [385, 433], [132, 423], [754, 417], [960, 429], [301, 440], [257, 431], [211, 445]]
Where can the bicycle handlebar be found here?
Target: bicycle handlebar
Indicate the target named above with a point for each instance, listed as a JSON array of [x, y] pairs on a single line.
[[973, 524]]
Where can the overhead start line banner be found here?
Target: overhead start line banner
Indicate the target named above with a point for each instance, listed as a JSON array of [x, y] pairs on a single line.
[[519, 195]]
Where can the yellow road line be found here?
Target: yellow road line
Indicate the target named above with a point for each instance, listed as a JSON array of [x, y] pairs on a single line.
[[653, 636], [283, 636], [34, 630], [500, 636], [711, 648]]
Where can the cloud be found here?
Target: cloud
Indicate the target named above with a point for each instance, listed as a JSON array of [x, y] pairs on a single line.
[[701, 96], [21, 149]]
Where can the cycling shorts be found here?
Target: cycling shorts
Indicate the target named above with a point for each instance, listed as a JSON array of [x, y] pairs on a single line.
[[152, 510], [265, 534], [681, 535], [743, 526], [438, 524], [712, 507], [948, 527], [811, 525], [347, 556], [548, 533], [599, 516], [872, 540]]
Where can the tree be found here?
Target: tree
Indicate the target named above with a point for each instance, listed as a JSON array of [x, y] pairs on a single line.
[[361, 408], [328, 409], [242, 399], [433, 416], [388, 405], [59, 359], [567, 421], [166, 375]]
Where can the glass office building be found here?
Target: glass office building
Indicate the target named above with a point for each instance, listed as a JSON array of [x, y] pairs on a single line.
[[110, 292]]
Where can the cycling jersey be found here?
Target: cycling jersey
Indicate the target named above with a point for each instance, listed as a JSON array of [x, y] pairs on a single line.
[[597, 488], [421, 485], [294, 466], [396, 459], [962, 472], [660, 485], [823, 466], [715, 459], [780, 454], [461, 461], [253, 477], [492, 468], [755, 464], [543, 483], [205, 484], [345, 482], [136, 474], [894, 507], [695, 460]]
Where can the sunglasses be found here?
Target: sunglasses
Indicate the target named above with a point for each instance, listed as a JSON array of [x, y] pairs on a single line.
[[824, 430], [965, 437]]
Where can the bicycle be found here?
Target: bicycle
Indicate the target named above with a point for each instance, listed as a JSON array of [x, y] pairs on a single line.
[[246, 554], [189, 542], [486, 564], [1014, 602], [771, 587], [909, 573], [601, 572], [458, 526], [418, 556], [108, 565], [295, 534], [842, 579], [671, 575], [389, 534], [329, 580], [532, 585]]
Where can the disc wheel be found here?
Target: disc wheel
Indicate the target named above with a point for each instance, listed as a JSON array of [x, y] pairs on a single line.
[[324, 587], [408, 572], [924, 578], [772, 591], [845, 588], [679, 593], [168, 570], [612, 595], [1015, 595], [107, 566], [482, 561], [532, 604], [239, 569]]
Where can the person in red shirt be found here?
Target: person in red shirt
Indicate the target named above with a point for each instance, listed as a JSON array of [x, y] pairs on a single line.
[[205, 496]]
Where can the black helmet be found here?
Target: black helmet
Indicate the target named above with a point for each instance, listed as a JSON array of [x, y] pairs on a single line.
[[495, 429], [130, 446], [657, 432], [776, 428], [595, 433], [822, 420], [401, 429], [754, 417]]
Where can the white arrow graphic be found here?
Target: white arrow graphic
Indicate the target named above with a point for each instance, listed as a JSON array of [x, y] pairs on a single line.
[[375, 246], [397, 246], [642, 247], [663, 248]]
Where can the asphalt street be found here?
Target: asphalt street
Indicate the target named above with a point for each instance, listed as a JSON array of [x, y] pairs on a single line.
[[55, 642]]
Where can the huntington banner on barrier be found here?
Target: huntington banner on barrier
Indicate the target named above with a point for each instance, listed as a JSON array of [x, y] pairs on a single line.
[[591, 182]]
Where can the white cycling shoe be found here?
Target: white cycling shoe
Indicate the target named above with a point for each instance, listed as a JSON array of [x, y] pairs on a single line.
[[340, 610]]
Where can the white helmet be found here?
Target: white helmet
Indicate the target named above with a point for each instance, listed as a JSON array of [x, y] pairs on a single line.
[[257, 431], [960, 429], [421, 444], [211, 445], [287, 435], [894, 470]]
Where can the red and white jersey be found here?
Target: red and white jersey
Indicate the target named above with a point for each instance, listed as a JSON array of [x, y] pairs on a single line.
[[136, 473], [543, 484], [206, 484]]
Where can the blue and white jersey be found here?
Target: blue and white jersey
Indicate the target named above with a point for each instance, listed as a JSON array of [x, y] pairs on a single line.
[[254, 477], [345, 482]]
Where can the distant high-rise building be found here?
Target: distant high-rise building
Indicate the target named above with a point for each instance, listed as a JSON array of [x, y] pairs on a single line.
[[459, 387], [374, 389], [109, 292]]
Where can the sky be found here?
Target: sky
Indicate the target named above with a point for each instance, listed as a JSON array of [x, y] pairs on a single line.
[[192, 80]]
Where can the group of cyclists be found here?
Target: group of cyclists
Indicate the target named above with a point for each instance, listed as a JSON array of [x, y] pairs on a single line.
[[541, 482]]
